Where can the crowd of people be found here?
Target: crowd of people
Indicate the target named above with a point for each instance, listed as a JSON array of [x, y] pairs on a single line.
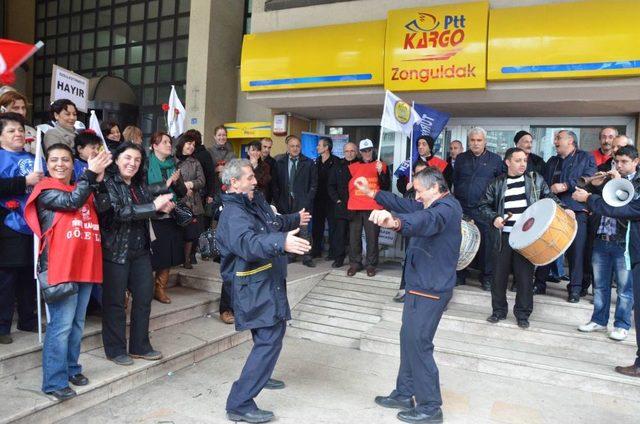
[[134, 213]]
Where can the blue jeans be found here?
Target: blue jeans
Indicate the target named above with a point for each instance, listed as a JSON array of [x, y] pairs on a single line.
[[607, 259], [62, 340]]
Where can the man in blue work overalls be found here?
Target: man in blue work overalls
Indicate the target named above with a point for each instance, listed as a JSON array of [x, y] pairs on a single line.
[[432, 221], [253, 244]]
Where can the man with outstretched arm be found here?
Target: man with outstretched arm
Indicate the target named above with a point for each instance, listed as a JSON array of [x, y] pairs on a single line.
[[253, 244], [432, 221]]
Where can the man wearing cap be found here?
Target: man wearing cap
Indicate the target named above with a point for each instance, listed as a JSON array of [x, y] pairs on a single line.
[[524, 140], [360, 217], [426, 156], [473, 172]]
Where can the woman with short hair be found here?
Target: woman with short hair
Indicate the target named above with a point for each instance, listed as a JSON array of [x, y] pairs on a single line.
[[65, 114]]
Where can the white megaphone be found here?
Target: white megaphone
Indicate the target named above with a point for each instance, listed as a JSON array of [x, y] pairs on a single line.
[[618, 192]]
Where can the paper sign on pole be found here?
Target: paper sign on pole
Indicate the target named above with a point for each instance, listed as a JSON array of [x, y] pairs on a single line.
[[69, 85]]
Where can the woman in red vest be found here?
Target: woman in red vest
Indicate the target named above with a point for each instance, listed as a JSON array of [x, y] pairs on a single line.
[[65, 218]]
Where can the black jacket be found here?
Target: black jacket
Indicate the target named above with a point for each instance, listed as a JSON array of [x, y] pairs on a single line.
[[51, 201], [204, 157], [121, 214], [272, 169], [20, 245], [491, 205], [577, 164], [305, 185], [471, 176], [338, 188], [324, 170]]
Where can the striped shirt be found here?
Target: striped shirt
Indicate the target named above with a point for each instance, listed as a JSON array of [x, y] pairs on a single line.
[[515, 201]]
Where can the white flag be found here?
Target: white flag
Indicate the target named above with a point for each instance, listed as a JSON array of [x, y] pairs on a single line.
[[175, 115], [398, 115], [94, 125], [37, 164]]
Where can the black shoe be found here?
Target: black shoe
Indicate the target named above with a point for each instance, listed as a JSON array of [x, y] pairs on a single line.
[[122, 360], [552, 279], [257, 416], [329, 258], [152, 355], [460, 282], [33, 329], [565, 278], [187, 265], [193, 260], [338, 263], [6, 339], [413, 416], [574, 298], [216, 259], [390, 402], [78, 380], [399, 297], [63, 394], [584, 292], [494, 318], [523, 323], [539, 290], [486, 285], [309, 263], [273, 384]]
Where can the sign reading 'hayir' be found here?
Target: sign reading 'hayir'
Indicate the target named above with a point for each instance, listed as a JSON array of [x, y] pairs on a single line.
[[437, 48]]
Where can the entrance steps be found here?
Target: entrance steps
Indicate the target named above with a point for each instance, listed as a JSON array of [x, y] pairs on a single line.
[[358, 312]]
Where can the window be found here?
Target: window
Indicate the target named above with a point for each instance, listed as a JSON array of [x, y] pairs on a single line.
[[142, 41]]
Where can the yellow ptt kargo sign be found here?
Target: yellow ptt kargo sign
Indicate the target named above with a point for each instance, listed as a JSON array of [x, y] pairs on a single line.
[[436, 47], [565, 40]]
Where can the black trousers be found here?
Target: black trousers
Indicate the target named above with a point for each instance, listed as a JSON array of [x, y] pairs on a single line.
[[339, 239], [505, 260], [136, 275], [371, 232], [226, 303], [322, 211], [17, 286]]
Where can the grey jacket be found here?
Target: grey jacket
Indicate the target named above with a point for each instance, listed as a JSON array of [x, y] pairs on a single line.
[[221, 153], [191, 170], [57, 135]]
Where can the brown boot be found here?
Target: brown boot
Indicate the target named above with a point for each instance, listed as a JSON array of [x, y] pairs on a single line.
[[227, 317], [162, 278]]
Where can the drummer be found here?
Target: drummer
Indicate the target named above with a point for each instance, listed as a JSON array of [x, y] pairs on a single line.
[[505, 199]]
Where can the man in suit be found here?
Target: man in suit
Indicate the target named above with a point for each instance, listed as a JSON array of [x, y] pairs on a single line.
[[323, 209], [266, 144], [296, 185], [561, 174]]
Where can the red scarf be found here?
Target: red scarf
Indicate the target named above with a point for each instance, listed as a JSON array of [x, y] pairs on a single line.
[[75, 251], [436, 162]]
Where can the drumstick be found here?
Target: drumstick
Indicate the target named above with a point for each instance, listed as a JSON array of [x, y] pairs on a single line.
[[507, 217]]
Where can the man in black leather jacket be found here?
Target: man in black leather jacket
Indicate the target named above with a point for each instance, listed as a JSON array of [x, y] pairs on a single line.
[[512, 193]]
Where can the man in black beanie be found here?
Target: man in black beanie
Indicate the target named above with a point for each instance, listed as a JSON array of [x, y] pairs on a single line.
[[524, 141]]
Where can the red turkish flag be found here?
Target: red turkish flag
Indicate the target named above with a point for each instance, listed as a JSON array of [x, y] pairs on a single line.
[[13, 54]]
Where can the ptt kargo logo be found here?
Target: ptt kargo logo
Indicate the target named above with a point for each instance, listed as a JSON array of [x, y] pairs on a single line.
[[427, 32]]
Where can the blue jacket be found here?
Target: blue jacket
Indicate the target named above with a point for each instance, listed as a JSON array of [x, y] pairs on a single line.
[[630, 211], [434, 246], [251, 242], [471, 176], [577, 164]]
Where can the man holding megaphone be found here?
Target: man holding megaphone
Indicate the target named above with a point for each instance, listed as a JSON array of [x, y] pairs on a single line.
[[618, 243]]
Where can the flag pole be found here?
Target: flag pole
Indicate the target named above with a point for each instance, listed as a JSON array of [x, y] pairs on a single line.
[[411, 148], [37, 167], [380, 142]]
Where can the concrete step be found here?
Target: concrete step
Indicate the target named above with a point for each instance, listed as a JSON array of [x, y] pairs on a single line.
[[346, 294], [348, 302], [559, 366], [370, 287], [26, 353], [329, 320], [324, 338], [182, 345], [304, 306], [365, 281], [393, 280], [318, 300]]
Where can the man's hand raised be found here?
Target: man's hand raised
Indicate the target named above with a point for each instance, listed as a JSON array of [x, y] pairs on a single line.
[[296, 245], [383, 218], [305, 217]]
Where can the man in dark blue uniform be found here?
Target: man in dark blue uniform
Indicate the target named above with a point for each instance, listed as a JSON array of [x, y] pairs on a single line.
[[433, 223], [253, 244]]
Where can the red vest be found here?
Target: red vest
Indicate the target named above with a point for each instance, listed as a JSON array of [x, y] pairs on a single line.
[[357, 200], [73, 240]]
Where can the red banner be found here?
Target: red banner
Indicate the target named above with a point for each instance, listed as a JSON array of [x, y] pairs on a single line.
[[357, 200]]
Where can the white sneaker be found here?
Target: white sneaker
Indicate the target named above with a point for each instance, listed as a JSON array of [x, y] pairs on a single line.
[[591, 327], [618, 334]]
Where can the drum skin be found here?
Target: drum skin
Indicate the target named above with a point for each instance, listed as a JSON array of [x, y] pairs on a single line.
[[543, 232], [469, 245]]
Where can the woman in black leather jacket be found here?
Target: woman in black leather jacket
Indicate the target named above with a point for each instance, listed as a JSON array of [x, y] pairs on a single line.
[[126, 255], [65, 218]]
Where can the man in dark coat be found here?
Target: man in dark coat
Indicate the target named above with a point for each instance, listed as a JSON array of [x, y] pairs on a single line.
[[473, 171], [266, 144], [432, 222], [561, 174], [253, 243], [323, 209], [524, 140], [338, 191], [296, 185]]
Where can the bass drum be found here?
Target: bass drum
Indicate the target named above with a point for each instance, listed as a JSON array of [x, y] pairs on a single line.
[[469, 245], [543, 232]]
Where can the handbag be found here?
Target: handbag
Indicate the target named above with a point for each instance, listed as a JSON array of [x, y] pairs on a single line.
[[182, 214], [55, 293]]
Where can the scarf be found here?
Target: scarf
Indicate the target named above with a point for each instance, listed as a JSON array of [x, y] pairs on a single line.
[[160, 170]]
